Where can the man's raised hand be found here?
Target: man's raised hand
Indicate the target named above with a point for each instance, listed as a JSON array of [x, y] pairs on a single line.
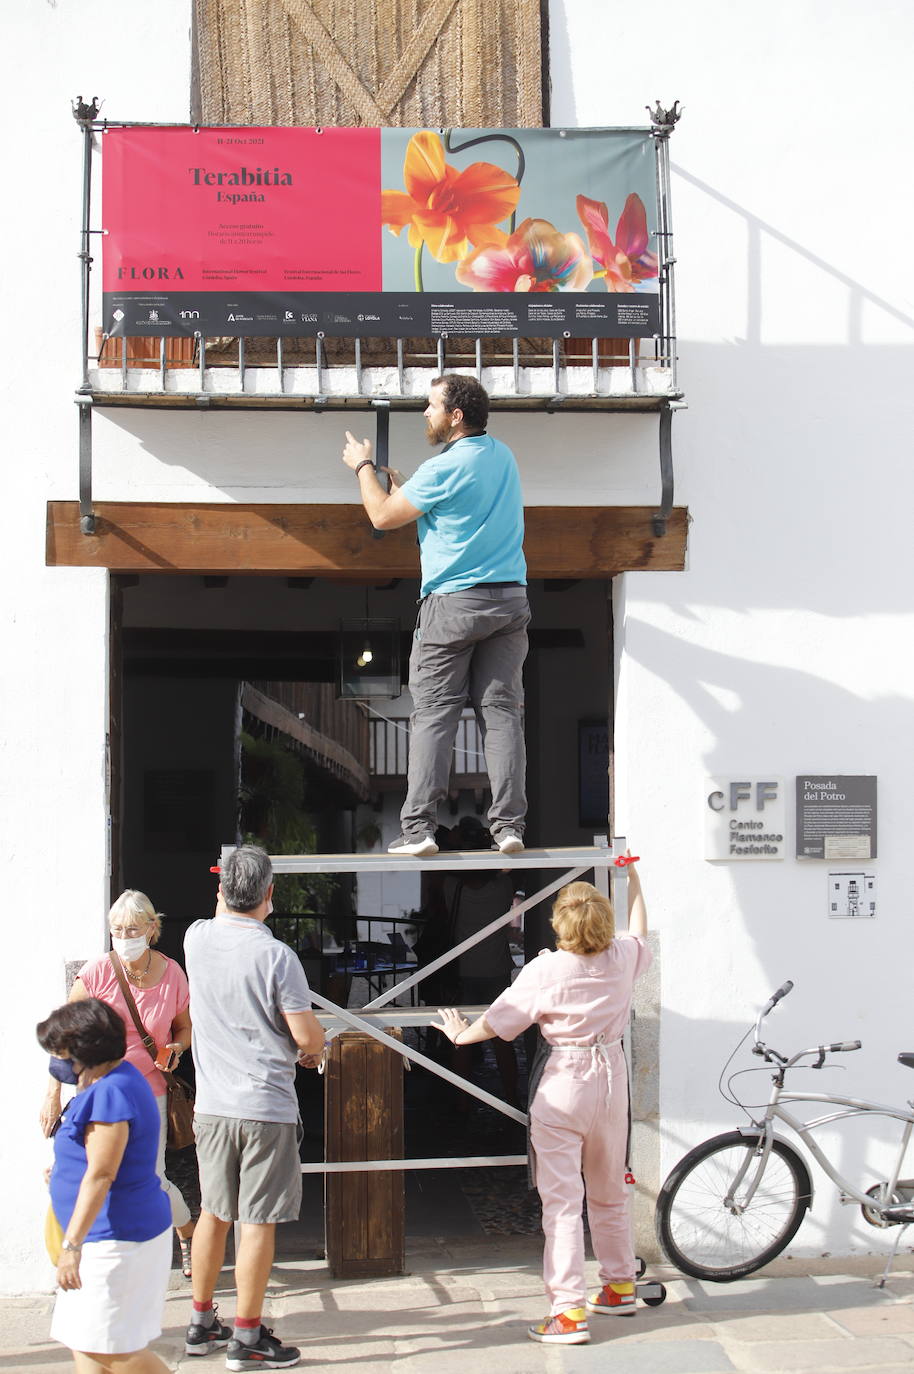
[[356, 451]]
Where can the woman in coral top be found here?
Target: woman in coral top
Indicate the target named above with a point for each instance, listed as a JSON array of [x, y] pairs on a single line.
[[580, 997], [160, 990]]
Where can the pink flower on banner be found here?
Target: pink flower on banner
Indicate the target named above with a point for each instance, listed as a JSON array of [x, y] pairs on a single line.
[[536, 257], [626, 262]]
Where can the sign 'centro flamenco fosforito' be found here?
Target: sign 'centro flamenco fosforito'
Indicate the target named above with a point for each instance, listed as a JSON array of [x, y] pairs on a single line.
[[744, 818], [397, 233]]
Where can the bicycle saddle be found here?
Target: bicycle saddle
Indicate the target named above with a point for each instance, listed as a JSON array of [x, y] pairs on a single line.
[[906, 1058]]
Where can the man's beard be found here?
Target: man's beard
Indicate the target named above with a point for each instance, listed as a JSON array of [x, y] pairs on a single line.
[[440, 433]]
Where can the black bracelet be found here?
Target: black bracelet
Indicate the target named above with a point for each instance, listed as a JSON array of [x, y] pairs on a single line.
[[366, 462]]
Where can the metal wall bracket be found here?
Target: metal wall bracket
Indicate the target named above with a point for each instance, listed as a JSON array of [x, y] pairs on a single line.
[[382, 446], [661, 517], [86, 513]]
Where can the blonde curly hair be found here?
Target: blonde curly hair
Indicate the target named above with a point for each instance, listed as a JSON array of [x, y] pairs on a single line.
[[135, 907], [583, 919]]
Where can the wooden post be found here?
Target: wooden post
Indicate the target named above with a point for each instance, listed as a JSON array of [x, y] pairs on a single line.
[[364, 1212]]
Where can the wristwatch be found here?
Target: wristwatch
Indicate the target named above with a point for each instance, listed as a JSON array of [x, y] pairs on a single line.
[[68, 1245]]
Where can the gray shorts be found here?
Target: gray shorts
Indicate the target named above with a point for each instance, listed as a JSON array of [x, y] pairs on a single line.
[[249, 1170]]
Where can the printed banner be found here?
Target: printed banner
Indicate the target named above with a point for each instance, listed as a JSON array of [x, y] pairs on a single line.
[[400, 233]]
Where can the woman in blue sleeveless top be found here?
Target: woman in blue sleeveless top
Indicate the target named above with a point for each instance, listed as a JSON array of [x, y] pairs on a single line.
[[116, 1220]]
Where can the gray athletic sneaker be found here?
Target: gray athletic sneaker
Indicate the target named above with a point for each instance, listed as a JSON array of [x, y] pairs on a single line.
[[265, 1353], [421, 848], [200, 1339]]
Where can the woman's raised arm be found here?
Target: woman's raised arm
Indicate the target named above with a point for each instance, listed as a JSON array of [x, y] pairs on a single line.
[[637, 911]]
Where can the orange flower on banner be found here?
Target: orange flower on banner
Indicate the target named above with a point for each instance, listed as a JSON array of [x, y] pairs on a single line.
[[627, 261], [537, 257], [445, 209]]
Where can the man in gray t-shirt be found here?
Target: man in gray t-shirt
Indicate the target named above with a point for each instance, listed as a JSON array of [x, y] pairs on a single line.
[[252, 1022]]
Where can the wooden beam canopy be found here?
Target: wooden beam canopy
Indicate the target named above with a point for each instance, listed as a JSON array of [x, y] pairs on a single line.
[[337, 541]]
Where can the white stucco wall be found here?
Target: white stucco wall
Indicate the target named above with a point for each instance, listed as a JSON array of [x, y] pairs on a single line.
[[186, 456], [53, 622], [785, 646]]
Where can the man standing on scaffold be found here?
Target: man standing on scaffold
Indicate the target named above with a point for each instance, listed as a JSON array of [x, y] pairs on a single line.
[[470, 640]]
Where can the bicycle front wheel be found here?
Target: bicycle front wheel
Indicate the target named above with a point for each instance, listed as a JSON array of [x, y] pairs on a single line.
[[703, 1223]]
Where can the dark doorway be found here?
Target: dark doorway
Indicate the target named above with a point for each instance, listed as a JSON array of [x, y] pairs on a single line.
[[186, 647]]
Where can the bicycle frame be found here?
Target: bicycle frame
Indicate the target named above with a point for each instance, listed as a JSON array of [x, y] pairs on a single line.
[[692, 1224], [850, 1107]]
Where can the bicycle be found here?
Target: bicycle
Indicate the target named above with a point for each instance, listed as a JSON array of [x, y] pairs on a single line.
[[736, 1201]]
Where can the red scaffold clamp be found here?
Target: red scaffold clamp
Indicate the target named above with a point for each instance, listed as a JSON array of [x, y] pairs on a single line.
[[625, 859]]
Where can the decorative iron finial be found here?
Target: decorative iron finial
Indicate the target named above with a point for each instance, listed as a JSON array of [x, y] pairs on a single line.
[[664, 121], [85, 114]]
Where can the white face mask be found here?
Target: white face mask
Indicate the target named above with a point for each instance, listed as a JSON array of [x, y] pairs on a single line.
[[269, 906], [130, 949]]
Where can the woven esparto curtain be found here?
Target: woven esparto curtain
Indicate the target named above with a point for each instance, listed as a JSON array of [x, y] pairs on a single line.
[[394, 63], [399, 63]]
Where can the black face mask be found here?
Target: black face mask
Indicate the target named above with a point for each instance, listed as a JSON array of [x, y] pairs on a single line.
[[63, 1070]]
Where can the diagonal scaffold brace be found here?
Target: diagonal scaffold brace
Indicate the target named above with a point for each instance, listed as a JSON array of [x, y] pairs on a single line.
[[573, 863]]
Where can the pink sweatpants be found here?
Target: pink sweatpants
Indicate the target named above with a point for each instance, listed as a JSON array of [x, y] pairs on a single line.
[[578, 1125]]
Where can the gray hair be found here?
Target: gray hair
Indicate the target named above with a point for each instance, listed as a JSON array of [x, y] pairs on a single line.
[[246, 877]]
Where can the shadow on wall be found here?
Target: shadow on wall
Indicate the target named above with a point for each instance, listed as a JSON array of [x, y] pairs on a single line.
[[768, 419], [794, 557], [834, 998], [816, 394], [758, 232], [797, 495]]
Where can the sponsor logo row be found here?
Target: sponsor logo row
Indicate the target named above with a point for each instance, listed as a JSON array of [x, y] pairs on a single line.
[[157, 316]]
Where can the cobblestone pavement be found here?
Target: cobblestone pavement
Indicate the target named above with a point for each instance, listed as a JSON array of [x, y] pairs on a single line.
[[468, 1299]]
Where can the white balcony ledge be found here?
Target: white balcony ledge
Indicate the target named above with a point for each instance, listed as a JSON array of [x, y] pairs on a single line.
[[645, 387]]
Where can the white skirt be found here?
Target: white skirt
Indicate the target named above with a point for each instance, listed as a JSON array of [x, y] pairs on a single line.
[[119, 1308]]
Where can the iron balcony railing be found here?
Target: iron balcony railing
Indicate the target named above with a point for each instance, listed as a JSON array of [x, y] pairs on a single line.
[[388, 751], [316, 373], [341, 374], [329, 372]]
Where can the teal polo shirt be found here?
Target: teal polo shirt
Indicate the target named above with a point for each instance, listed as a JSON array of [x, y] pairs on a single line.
[[471, 528]]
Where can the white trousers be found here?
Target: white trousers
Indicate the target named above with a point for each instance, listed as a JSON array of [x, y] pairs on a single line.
[[180, 1212]]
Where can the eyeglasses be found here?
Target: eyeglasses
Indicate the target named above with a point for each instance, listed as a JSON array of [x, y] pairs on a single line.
[[127, 932]]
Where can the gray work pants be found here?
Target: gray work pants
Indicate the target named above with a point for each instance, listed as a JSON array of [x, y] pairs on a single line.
[[468, 646]]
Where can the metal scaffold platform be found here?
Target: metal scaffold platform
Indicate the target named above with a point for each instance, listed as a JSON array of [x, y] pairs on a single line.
[[571, 863], [583, 858]]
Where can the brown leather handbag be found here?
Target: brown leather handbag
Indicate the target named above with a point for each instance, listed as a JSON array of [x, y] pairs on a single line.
[[180, 1103]]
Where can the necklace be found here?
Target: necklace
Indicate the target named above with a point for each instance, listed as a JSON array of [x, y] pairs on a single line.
[[138, 977]]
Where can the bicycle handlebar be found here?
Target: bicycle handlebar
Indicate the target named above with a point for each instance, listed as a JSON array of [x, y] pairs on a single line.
[[839, 1047], [772, 1002], [769, 1054], [776, 996]]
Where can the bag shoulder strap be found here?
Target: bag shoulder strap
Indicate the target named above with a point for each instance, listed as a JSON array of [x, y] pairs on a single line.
[[146, 1038]]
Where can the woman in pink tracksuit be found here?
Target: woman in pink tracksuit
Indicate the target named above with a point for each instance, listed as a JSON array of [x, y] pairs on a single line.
[[579, 996]]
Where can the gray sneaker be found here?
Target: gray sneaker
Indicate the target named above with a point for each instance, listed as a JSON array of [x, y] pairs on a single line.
[[265, 1353], [200, 1339], [422, 848]]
